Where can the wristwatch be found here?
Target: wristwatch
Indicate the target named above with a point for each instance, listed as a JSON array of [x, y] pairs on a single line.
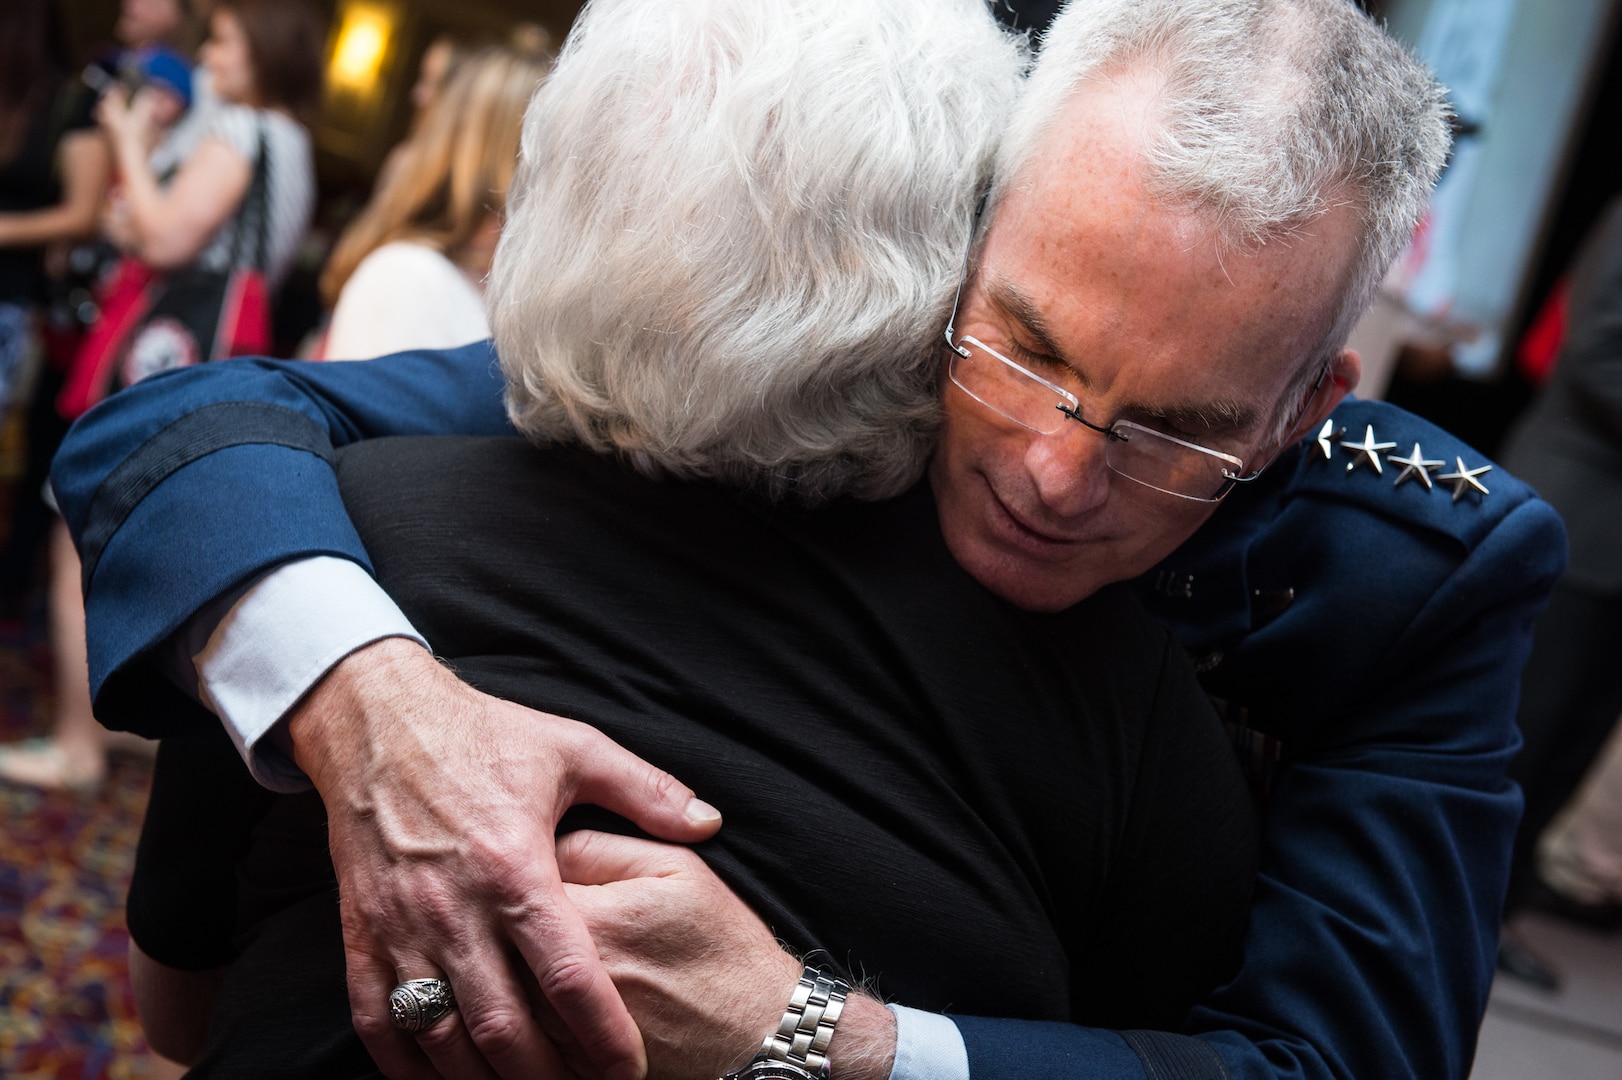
[[798, 1049]]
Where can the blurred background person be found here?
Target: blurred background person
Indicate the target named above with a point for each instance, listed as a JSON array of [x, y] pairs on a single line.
[[53, 173], [144, 23], [164, 77], [152, 36], [263, 60], [1569, 446], [439, 62], [408, 271]]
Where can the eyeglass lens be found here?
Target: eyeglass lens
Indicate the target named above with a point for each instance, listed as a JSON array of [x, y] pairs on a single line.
[[1006, 389], [1136, 452]]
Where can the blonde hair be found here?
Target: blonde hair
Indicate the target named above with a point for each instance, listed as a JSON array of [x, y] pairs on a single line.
[[454, 169]]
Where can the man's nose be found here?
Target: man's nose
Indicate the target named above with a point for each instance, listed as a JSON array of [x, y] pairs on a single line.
[[1069, 469]]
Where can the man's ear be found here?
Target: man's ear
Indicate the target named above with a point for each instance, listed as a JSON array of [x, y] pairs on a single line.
[[1344, 371]]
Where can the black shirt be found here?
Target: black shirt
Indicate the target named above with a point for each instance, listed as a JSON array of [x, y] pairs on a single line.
[[982, 809]]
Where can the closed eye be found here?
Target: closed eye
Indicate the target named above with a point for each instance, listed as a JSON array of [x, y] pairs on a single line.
[[1192, 426], [1048, 365], [1182, 430]]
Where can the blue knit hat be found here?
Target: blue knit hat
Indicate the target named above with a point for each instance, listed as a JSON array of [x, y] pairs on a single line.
[[165, 67]]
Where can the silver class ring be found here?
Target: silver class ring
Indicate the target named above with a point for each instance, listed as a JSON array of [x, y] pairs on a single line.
[[418, 1004]]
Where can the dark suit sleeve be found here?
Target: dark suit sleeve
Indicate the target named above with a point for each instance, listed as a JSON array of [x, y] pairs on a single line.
[[1385, 853], [188, 485]]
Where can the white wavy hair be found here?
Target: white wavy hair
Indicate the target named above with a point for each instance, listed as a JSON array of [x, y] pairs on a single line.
[[735, 228], [1270, 112]]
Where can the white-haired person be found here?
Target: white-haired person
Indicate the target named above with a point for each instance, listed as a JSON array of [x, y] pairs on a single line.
[[1145, 380]]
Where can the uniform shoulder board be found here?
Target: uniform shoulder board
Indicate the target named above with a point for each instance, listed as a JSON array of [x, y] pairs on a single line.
[[1392, 462]]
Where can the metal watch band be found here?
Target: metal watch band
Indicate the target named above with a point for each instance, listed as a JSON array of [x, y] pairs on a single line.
[[808, 1023]]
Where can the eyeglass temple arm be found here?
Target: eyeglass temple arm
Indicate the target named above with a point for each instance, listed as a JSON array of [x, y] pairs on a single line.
[[1317, 385], [963, 272]]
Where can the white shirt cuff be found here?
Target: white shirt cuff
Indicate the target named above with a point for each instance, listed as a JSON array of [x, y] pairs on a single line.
[[276, 642], [928, 1046]]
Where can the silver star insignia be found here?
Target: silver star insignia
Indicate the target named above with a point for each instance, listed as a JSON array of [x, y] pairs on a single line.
[[1326, 435], [1464, 479], [1367, 450], [1415, 467]]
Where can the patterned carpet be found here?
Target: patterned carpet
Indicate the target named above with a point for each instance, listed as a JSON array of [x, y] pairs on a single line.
[[65, 1004]]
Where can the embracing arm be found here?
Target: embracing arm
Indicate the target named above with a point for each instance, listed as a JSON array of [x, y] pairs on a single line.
[[188, 485], [183, 488]]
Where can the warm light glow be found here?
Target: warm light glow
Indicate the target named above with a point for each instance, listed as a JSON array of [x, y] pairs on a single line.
[[363, 41]]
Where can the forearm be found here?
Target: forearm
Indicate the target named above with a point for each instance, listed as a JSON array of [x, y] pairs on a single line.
[[1376, 920], [84, 158], [169, 226], [185, 487], [173, 1005], [37, 228]]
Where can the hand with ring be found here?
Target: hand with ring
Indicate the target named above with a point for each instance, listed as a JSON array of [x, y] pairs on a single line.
[[442, 806]]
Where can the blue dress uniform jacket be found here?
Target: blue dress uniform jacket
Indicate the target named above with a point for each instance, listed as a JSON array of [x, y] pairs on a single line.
[[1364, 635]]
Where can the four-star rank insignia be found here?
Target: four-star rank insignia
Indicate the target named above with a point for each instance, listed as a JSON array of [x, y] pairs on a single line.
[[1414, 467]]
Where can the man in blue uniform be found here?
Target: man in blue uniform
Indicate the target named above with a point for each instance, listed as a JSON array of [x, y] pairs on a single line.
[[1361, 608]]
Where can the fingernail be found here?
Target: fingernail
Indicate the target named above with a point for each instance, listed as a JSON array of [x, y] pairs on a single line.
[[700, 812], [630, 1070]]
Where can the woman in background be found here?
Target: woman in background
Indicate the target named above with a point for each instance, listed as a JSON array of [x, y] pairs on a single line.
[[53, 174], [263, 58], [406, 273]]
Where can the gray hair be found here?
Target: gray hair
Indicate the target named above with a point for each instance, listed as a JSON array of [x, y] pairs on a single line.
[[1270, 112], [735, 228]]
